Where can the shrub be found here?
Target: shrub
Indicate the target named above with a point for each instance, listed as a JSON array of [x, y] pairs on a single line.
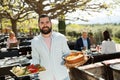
[[117, 34], [117, 40]]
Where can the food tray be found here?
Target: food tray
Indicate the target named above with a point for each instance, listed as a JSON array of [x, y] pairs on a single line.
[[29, 74]]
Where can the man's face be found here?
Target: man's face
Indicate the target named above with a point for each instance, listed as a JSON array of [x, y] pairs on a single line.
[[84, 35], [45, 25]]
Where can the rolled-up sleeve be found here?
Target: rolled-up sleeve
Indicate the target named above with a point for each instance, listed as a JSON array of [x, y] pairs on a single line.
[[65, 47], [35, 53]]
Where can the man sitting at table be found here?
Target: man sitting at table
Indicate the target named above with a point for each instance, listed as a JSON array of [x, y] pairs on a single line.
[[83, 43]]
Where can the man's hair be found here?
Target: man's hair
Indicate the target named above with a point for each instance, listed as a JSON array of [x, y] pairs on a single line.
[[43, 16]]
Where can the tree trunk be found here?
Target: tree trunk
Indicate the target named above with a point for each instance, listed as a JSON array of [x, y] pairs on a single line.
[[14, 26], [62, 27], [0, 26]]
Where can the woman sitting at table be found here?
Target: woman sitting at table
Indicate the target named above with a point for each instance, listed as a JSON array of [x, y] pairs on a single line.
[[108, 46], [12, 40]]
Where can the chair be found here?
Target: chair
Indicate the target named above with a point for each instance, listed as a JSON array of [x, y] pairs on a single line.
[[25, 44], [11, 53], [24, 50], [71, 45], [12, 45]]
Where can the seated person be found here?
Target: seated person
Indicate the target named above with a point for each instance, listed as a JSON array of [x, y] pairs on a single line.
[[92, 40], [12, 40], [108, 46], [83, 43]]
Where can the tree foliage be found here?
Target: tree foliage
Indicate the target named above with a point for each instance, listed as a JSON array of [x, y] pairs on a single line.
[[15, 10], [56, 8], [18, 10]]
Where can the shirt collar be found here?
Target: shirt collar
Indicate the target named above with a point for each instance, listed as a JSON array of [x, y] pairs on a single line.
[[84, 38], [50, 35]]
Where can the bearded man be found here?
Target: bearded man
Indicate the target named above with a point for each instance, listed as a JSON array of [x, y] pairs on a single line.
[[48, 49]]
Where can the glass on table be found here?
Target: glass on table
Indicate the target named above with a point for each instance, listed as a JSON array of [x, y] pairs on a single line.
[[93, 46], [83, 48], [34, 76], [6, 77]]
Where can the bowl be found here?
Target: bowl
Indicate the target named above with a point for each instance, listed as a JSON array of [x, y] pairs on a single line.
[[75, 59]]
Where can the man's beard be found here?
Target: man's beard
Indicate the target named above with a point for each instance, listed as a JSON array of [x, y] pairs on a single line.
[[46, 30]]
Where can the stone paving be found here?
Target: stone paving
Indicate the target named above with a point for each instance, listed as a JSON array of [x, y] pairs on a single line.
[[118, 47]]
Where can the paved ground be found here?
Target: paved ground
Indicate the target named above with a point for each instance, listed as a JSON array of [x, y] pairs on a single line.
[[118, 47]]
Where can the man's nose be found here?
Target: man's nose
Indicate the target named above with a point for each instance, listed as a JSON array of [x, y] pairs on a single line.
[[45, 24]]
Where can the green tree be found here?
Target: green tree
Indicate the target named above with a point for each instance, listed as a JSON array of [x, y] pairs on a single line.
[[56, 8], [15, 10], [62, 25], [18, 10]]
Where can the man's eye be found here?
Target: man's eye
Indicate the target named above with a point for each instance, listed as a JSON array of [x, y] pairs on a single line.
[[47, 22], [41, 22]]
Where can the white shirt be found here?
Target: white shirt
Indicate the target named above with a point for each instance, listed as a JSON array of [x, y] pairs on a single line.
[[108, 47], [85, 43], [50, 59]]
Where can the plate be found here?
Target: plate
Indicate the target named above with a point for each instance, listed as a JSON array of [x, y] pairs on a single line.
[[24, 75], [25, 72]]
